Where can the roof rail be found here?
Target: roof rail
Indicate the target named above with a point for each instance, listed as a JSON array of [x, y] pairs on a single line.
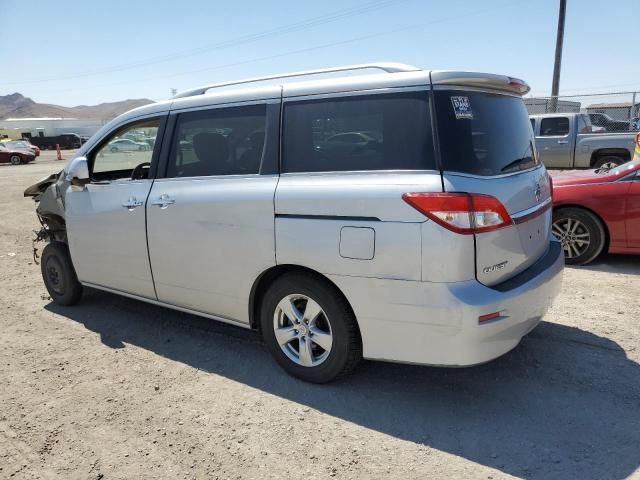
[[385, 66]]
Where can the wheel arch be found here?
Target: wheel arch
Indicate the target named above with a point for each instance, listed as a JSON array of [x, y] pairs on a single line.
[[605, 227], [606, 152], [266, 278]]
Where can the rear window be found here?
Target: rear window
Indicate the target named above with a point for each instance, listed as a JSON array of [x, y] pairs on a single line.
[[374, 132], [483, 134]]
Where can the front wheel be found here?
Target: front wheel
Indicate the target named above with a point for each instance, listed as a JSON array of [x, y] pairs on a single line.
[[15, 160], [581, 233], [310, 328], [59, 275]]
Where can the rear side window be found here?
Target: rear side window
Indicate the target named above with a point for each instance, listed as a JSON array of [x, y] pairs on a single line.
[[221, 141], [483, 133], [584, 124], [554, 127], [374, 132]]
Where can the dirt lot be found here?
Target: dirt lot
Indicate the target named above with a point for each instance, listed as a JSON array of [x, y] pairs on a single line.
[[117, 389]]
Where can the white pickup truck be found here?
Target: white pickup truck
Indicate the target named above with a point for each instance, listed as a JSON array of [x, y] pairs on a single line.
[[565, 140]]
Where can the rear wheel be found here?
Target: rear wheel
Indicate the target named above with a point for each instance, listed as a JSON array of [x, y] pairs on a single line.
[[608, 162], [15, 160], [309, 328], [59, 275], [581, 233]]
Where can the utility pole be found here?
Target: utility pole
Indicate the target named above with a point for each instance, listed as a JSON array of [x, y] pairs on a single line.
[[555, 87]]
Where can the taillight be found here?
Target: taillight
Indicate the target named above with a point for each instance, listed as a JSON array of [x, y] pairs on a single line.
[[464, 213], [519, 85]]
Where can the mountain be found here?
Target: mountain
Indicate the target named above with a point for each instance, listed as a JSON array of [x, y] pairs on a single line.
[[19, 106]]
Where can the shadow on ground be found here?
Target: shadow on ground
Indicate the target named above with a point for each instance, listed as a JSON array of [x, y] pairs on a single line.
[[627, 264], [564, 404]]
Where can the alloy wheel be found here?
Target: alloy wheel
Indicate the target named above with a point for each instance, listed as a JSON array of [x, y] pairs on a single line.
[[302, 330], [573, 234]]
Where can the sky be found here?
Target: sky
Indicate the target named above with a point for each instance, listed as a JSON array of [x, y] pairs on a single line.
[[79, 52]]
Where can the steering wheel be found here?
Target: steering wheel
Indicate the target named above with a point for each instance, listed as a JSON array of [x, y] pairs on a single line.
[[141, 171]]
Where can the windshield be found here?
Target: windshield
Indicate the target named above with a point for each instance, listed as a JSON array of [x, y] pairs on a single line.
[[483, 133]]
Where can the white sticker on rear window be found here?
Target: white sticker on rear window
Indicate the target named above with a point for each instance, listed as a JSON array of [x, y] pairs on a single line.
[[462, 108]]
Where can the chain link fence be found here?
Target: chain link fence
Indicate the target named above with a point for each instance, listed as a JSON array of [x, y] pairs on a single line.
[[609, 112]]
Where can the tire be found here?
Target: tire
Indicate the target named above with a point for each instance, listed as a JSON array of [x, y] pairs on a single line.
[[610, 161], [15, 160], [59, 275], [113, 149], [344, 345], [574, 226]]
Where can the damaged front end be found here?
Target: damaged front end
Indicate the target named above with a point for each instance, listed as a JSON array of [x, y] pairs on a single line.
[[48, 193]]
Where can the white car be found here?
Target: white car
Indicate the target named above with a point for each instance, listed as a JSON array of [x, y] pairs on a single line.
[[431, 245], [127, 145]]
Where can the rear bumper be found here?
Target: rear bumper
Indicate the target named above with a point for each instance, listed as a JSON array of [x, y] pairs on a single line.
[[437, 323]]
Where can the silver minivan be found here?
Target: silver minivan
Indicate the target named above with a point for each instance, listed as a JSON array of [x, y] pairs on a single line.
[[400, 216]]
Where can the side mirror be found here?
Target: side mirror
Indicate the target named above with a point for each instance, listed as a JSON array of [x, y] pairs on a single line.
[[78, 172]]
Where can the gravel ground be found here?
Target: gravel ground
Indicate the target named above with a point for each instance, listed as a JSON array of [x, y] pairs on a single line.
[[118, 389]]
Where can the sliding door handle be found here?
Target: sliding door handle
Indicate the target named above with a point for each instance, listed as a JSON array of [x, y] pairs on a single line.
[[132, 203], [163, 201]]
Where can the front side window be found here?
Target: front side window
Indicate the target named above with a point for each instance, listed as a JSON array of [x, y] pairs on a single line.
[[374, 132], [554, 127], [118, 155], [221, 141]]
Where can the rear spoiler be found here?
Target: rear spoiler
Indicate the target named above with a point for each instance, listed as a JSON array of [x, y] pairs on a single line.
[[480, 80]]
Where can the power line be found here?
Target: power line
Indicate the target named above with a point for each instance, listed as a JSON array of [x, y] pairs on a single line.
[[249, 38], [296, 52]]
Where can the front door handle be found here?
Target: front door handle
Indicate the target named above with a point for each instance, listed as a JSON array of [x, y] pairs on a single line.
[[563, 142], [132, 203], [163, 201]]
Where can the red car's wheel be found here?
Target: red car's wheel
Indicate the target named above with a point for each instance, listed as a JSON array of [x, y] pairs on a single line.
[[581, 233]]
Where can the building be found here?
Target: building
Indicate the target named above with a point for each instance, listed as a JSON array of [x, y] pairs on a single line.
[[618, 111], [537, 105], [46, 127]]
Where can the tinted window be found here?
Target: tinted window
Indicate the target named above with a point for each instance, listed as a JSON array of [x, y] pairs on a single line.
[[533, 124], [483, 134], [379, 132], [113, 159], [222, 141], [555, 126]]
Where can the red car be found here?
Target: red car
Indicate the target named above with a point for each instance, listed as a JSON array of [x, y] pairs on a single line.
[[23, 144], [596, 211], [15, 156]]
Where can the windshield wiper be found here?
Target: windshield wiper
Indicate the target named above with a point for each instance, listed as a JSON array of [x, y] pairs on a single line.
[[520, 161], [516, 162]]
